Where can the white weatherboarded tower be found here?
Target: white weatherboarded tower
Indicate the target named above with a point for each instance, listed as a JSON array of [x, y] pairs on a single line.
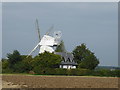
[[47, 43]]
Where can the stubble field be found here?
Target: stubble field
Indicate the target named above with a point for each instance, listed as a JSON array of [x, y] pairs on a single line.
[[33, 81]]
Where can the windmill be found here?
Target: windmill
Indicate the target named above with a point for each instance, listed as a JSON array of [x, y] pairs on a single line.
[[47, 42]]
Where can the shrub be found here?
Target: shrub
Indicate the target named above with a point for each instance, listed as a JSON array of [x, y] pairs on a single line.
[[60, 71], [31, 72], [7, 70], [49, 71]]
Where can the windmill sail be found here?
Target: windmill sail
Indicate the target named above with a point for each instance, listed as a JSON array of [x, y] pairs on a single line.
[[38, 30], [33, 50], [49, 30], [47, 42]]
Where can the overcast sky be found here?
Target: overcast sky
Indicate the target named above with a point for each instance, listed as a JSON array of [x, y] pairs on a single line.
[[95, 24]]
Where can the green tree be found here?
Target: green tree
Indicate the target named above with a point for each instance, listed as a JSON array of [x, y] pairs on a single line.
[[13, 58], [5, 66], [45, 60], [5, 63], [84, 57], [61, 47], [24, 66]]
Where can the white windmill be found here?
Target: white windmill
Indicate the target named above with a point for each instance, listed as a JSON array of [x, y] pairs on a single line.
[[47, 42]]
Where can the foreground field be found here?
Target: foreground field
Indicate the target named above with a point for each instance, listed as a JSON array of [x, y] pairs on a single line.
[[31, 81]]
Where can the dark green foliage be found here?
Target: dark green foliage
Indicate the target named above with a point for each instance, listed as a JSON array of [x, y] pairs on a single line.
[[87, 72], [106, 72], [117, 73], [61, 47], [84, 72], [47, 60], [7, 70], [27, 63], [39, 70], [40, 64], [102, 72], [48, 63], [79, 72], [24, 65], [44, 61], [5, 66], [60, 71], [13, 58], [49, 71], [16, 63], [85, 58], [5, 63]]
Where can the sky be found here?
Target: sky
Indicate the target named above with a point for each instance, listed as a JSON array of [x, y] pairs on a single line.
[[92, 23]]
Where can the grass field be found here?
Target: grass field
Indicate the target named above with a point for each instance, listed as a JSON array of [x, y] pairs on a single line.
[[38, 81]]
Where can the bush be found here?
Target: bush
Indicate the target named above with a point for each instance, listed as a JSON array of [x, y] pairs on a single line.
[[102, 72], [7, 70], [115, 73], [5, 64], [31, 72], [60, 71], [72, 72], [49, 71], [83, 72], [75, 72], [106, 72], [37, 70]]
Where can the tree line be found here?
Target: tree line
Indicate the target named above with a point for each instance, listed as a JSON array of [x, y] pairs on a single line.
[[48, 63]]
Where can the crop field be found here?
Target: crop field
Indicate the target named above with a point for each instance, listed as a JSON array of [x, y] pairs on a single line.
[[37, 81]]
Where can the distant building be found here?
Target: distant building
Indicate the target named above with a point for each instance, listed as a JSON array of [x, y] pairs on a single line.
[[68, 62]]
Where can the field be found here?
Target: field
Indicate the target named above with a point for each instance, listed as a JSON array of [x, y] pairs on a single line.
[[37, 81]]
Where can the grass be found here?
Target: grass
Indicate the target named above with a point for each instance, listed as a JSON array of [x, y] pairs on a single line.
[[26, 74]]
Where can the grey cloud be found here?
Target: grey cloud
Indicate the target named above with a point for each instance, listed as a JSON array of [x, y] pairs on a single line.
[[92, 23]]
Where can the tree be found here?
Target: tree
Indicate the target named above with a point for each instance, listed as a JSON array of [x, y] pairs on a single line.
[[84, 57], [16, 63], [46, 60], [5, 63], [13, 58], [24, 66], [61, 47], [5, 66]]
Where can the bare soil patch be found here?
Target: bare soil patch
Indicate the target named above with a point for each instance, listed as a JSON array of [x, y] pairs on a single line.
[[33, 81]]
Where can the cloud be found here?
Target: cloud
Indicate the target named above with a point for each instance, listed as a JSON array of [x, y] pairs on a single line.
[[92, 23]]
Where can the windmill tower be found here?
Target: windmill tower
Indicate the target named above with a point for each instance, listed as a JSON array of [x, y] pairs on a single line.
[[47, 42]]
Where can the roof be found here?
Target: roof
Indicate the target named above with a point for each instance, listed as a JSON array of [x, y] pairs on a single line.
[[69, 63], [65, 55], [67, 58]]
